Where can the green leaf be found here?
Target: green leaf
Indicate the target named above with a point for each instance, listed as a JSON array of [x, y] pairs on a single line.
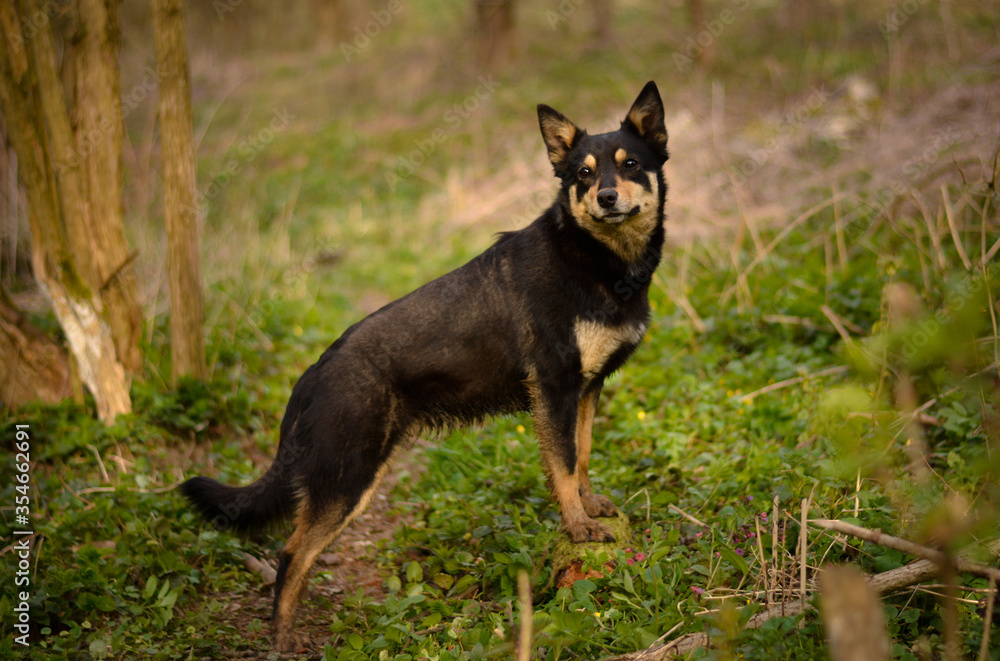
[[583, 588], [627, 580], [735, 559]]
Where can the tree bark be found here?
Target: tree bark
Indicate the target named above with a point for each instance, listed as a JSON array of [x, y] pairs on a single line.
[[34, 367], [187, 316], [603, 20], [34, 106], [494, 31], [99, 136], [333, 21]]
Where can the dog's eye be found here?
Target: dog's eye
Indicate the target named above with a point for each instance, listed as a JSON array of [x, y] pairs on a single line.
[[584, 172], [630, 164]]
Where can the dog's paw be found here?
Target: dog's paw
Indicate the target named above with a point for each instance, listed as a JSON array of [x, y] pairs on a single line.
[[289, 641], [597, 505], [588, 530]]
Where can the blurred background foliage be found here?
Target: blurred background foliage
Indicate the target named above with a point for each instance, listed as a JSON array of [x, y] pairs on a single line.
[[824, 325]]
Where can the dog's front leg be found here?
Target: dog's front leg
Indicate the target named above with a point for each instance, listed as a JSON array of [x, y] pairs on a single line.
[[556, 423], [593, 504]]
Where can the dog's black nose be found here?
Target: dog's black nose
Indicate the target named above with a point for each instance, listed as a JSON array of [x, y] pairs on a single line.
[[607, 198]]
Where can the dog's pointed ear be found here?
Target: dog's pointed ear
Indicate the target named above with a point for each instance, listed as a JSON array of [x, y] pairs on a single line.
[[646, 118], [559, 134]]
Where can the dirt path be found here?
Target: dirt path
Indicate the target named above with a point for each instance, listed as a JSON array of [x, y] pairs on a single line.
[[349, 564]]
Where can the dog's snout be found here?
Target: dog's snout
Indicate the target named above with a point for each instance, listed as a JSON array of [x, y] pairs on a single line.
[[607, 198]]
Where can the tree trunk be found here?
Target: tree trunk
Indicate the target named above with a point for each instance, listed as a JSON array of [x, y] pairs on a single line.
[[99, 134], [706, 54], [34, 107], [187, 315], [603, 19], [34, 367], [334, 19], [494, 31]]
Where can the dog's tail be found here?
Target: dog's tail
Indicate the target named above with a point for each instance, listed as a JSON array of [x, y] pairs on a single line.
[[273, 497], [268, 500]]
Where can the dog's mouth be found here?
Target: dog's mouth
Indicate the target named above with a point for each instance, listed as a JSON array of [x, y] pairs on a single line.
[[618, 217]]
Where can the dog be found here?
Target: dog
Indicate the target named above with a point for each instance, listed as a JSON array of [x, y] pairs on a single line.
[[535, 323]]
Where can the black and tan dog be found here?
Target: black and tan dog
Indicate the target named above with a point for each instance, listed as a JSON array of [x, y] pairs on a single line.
[[537, 322]]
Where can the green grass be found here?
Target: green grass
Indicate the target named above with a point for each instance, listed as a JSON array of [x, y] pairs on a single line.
[[311, 232]]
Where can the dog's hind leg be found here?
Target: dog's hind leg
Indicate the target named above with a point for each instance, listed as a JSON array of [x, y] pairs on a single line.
[[320, 521]]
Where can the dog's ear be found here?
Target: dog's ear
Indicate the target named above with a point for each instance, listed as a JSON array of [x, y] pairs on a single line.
[[646, 118], [559, 134]]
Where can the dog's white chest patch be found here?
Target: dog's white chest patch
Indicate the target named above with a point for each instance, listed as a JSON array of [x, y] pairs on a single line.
[[597, 342]]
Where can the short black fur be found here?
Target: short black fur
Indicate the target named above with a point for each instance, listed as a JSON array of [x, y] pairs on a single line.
[[537, 322]]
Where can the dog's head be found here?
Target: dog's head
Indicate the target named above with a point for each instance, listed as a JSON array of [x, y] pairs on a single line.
[[613, 183]]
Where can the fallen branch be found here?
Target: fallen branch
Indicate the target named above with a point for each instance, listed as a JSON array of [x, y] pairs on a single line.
[[527, 613], [692, 641], [894, 579], [261, 567], [687, 516], [792, 381], [937, 558]]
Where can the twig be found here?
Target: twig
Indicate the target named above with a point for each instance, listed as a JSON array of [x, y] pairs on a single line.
[[262, 567], [100, 463], [857, 495], [684, 304], [774, 545], [842, 325], [789, 320], [803, 548], [944, 595], [984, 647], [894, 579], [792, 381], [790, 227], [687, 516], [648, 502], [954, 231], [919, 416], [524, 601], [763, 563], [838, 224], [990, 253], [906, 546]]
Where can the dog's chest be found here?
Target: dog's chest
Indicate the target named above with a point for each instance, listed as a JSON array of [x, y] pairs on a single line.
[[598, 342]]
